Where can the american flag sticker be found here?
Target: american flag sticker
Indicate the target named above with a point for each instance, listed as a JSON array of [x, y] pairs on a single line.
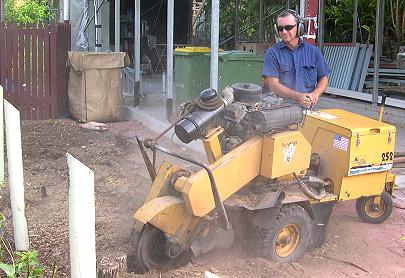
[[340, 142]]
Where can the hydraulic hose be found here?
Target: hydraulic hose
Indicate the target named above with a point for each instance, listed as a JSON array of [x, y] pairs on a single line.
[[306, 188]]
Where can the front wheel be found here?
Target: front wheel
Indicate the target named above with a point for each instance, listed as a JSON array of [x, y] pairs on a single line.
[[288, 236], [374, 209], [154, 251]]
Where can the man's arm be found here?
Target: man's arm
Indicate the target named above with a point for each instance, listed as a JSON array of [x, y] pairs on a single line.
[[321, 86], [284, 92]]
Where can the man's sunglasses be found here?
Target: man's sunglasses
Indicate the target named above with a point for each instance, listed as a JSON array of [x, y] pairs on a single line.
[[286, 27]]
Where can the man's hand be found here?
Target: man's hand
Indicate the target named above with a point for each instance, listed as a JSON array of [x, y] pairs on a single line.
[[304, 99], [319, 89], [314, 98]]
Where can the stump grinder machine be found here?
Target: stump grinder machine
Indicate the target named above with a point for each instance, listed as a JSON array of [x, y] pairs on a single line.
[[273, 175]]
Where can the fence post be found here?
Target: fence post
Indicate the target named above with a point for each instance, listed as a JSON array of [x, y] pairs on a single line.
[[59, 46], [81, 220], [16, 176], [63, 42]]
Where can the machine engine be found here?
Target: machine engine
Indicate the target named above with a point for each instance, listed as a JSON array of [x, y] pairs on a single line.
[[242, 110]]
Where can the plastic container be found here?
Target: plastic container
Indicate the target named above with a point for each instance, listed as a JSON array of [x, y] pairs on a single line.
[[192, 73], [239, 67]]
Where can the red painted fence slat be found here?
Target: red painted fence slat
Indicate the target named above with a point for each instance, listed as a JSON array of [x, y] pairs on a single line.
[[3, 61], [9, 74], [40, 91], [53, 69], [47, 80], [34, 76], [15, 68]]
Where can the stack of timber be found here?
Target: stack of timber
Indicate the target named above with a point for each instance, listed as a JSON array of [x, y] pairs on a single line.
[[399, 159]]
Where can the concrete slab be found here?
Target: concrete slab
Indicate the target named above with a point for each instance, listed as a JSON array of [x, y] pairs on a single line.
[[154, 117]]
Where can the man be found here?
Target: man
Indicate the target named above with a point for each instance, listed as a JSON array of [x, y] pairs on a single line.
[[294, 69]]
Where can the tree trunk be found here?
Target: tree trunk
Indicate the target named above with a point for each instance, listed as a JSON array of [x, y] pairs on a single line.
[[106, 268], [122, 262]]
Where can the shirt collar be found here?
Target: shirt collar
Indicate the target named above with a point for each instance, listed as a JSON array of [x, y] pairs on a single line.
[[282, 43]]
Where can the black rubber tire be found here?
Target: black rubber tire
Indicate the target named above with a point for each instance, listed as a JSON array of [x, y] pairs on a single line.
[[363, 203], [290, 214], [150, 255]]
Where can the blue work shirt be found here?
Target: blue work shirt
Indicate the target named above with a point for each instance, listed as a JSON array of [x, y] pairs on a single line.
[[298, 69]]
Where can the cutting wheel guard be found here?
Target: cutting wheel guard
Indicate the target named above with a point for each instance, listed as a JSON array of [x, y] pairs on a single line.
[[219, 206]]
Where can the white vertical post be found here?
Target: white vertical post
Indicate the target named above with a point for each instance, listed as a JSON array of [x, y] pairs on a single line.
[[137, 38], [137, 52], [66, 10], [1, 138], [302, 8], [214, 44], [169, 87], [117, 25], [164, 83], [1, 10], [82, 231], [97, 27], [16, 176]]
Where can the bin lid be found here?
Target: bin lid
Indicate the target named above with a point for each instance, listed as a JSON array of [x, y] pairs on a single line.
[[97, 60], [237, 55], [191, 50]]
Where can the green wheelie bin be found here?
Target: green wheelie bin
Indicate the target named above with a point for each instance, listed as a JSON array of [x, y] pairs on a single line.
[[191, 73]]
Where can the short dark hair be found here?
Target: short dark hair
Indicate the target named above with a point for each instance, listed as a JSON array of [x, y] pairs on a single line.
[[288, 13]]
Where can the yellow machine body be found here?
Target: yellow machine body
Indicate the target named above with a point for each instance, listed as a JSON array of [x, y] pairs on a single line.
[[355, 154], [355, 151], [231, 172], [284, 153]]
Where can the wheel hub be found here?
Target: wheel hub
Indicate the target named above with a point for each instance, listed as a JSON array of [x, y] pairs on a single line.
[[375, 207], [287, 240], [374, 210], [173, 250]]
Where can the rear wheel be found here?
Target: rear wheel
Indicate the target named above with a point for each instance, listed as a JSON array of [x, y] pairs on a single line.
[[155, 251], [288, 236], [374, 209]]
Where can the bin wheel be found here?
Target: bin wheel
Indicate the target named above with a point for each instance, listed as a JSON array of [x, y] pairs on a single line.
[[371, 212], [154, 251], [288, 236]]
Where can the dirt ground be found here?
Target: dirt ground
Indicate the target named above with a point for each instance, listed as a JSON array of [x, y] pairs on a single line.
[[352, 249]]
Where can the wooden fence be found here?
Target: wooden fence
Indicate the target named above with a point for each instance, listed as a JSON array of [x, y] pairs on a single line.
[[33, 68]]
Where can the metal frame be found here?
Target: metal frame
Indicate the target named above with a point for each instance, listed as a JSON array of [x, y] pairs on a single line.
[[394, 102]]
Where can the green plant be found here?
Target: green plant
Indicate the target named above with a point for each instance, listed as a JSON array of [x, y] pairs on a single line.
[[339, 23], [2, 220], [29, 12], [26, 263]]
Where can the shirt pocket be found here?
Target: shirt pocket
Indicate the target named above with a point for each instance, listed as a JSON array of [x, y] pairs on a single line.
[[285, 75], [284, 68], [310, 74]]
